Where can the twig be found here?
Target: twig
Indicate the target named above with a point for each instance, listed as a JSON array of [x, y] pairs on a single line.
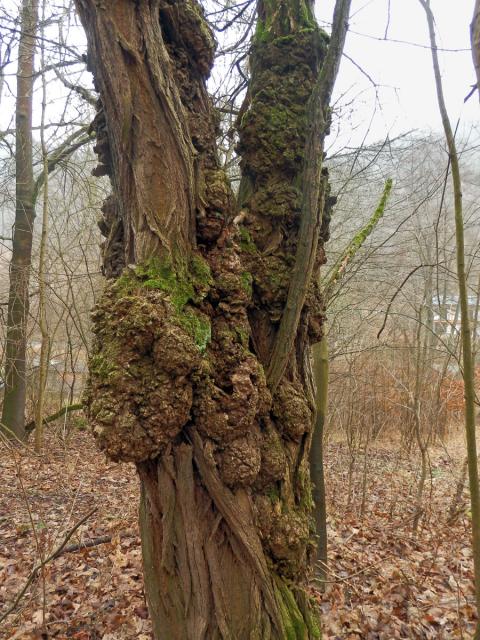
[[353, 575], [404, 281], [95, 542]]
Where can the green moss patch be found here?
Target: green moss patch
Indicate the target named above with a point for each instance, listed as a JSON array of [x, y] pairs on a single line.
[[297, 626], [183, 285]]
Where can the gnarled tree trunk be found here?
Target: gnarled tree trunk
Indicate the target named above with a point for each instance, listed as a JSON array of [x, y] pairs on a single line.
[[13, 411], [196, 293]]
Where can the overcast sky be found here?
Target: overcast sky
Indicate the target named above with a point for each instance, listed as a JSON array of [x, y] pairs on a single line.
[[406, 92], [405, 96]]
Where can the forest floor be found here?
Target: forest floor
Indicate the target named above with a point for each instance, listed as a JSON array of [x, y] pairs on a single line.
[[384, 582]]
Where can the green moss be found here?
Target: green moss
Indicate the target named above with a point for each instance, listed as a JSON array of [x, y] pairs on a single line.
[[305, 488], [181, 285], [279, 116], [313, 624], [262, 34], [243, 336], [101, 366], [162, 276], [198, 326], [298, 625], [201, 274], [306, 16], [246, 242], [284, 18], [294, 624], [246, 279]]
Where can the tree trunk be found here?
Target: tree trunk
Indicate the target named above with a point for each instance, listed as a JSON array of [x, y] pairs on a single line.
[[475, 39], [187, 324], [468, 361], [13, 412], [42, 284], [321, 366]]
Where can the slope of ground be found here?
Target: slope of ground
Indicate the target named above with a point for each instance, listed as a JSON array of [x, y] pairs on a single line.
[[384, 583]]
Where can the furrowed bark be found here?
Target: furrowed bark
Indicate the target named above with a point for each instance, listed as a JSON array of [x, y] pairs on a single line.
[[185, 327], [13, 410]]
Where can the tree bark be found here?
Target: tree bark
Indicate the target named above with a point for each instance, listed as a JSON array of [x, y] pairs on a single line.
[[13, 411], [187, 324], [321, 367], [475, 39]]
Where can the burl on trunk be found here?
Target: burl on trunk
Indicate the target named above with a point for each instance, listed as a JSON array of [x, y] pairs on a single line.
[[197, 282]]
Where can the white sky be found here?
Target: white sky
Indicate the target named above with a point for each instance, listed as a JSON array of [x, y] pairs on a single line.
[[406, 97]]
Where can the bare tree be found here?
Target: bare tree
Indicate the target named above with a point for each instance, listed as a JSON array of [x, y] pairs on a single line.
[[13, 411], [475, 38], [468, 371]]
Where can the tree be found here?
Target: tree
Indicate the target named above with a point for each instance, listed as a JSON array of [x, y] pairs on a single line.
[[321, 368], [28, 188], [475, 38], [468, 363], [200, 371], [13, 411]]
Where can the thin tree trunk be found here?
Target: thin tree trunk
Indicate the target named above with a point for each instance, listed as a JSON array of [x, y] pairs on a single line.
[[366, 450], [177, 382], [13, 411], [321, 365], [467, 355], [457, 498], [321, 374], [475, 39], [423, 342], [42, 301]]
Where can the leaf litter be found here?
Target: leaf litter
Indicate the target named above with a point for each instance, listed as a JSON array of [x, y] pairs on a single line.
[[384, 581]]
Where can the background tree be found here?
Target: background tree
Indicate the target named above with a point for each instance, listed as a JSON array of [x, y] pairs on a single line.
[[475, 38], [13, 409], [468, 362], [51, 152]]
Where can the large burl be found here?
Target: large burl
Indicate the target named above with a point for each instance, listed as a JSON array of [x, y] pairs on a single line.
[[139, 395]]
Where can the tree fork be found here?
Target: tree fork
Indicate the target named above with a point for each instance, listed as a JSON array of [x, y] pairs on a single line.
[[177, 382]]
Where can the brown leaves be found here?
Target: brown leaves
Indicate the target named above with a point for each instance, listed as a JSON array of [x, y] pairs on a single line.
[[386, 583], [93, 593]]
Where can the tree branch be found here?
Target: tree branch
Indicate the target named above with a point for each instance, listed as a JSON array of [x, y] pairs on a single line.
[[355, 244], [403, 283], [30, 426], [63, 152], [87, 95], [312, 181]]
